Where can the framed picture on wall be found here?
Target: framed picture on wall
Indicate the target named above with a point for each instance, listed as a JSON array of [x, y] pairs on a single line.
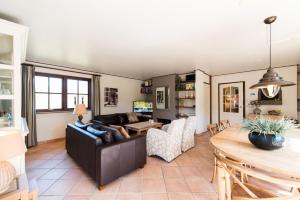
[[161, 98], [110, 97]]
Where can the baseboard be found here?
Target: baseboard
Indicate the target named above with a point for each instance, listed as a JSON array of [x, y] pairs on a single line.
[[49, 141]]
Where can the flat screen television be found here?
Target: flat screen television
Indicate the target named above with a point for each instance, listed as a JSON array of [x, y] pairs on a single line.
[[142, 107]]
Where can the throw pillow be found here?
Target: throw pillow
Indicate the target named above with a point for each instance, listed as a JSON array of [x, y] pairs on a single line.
[[106, 136], [121, 130], [79, 124], [132, 117]]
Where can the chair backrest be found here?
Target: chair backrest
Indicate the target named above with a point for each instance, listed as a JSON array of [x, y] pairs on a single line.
[[176, 127], [231, 167], [213, 129], [225, 123], [190, 126]]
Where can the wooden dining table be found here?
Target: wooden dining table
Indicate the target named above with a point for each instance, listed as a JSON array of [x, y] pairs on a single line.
[[233, 142]]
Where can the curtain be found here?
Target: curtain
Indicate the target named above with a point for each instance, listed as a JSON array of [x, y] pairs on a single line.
[[28, 103], [96, 96]]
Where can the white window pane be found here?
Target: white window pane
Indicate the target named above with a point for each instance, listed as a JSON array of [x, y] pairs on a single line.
[[71, 100], [55, 101], [55, 85], [41, 84], [41, 101], [72, 86], [83, 87], [84, 99]]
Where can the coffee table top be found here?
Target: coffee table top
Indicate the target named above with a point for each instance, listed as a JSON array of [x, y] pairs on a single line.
[[143, 125]]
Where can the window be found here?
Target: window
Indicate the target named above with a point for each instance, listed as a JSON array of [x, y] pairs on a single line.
[[77, 91], [59, 93], [231, 99]]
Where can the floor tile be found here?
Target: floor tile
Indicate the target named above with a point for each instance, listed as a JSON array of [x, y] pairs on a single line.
[[83, 187], [155, 196], [36, 173], [129, 196], [51, 197], [190, 171], [180, 196], [205, 196], [176, 185], [60, 187], [198, 184], [152, 171], [171, 172], [131, 185], [43, 185], [103, 196], [153, 186], [73, 197], [73, 174], [54, 174]]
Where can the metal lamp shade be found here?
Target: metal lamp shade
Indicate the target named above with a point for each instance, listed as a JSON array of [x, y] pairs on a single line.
[[271, 83]]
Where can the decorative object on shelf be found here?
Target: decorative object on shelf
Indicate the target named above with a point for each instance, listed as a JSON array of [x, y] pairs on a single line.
[[267, 134], [110, 97], [274, 112], [256, 103], [9, 118], [271, 82], [79, 110], [12, 145]]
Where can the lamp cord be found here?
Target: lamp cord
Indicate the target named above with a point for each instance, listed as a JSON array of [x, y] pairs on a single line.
[[270, 46]]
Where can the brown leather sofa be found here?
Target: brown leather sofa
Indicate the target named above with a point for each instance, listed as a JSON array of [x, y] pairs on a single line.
[[105, 162]]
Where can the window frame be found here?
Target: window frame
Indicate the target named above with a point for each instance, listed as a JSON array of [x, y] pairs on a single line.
[[64, 91]]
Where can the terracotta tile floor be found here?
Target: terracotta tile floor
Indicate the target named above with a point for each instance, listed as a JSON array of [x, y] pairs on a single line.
[[186, 178]]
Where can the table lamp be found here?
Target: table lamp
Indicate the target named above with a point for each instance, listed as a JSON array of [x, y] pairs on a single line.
[[12, 145], [79, 110]]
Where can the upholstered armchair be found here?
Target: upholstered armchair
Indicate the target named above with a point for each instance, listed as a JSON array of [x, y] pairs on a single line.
[[188, 140], [166, 144]]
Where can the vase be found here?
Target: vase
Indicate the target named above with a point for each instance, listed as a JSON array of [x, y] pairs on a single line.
[[257, 111], [266, 141]]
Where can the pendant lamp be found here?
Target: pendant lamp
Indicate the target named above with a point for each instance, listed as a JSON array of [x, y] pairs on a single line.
[[271, 82]]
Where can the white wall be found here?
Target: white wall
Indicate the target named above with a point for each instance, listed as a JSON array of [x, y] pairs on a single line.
[[128, 91], [52, 125], [289, 94], [202, 101]]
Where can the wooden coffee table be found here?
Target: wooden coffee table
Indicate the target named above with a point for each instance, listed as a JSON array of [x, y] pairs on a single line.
[[142, 126]]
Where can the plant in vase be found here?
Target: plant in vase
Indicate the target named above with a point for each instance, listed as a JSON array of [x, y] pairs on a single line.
[[256, 104], [268, 134]]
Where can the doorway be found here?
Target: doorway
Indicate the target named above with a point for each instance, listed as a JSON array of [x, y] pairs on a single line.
[[231, 101]]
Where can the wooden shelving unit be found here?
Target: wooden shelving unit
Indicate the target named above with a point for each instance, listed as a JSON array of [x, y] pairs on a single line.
[[185, 89]]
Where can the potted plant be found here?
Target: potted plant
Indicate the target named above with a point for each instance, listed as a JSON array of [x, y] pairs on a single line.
[[267, 134]]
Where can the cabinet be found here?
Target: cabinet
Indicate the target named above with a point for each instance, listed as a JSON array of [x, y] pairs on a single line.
[[13, 40]]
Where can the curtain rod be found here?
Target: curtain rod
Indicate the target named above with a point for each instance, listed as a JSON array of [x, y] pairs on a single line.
[[62, 68]]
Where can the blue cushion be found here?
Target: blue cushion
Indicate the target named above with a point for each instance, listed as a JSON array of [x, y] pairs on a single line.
[[79, 124], [95, 132], [106, 136]]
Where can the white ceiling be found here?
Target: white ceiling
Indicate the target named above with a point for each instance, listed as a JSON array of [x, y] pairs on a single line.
[[146, 38]]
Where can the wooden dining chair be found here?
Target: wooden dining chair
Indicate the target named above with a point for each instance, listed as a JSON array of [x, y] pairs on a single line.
[[225, 124], [236, 189], [213, 129]]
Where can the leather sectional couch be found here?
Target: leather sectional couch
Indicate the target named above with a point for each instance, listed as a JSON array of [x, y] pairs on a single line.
[[103, 161], [119, 119]]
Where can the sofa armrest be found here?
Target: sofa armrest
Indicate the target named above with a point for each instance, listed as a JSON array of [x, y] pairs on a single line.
[[118, 159]]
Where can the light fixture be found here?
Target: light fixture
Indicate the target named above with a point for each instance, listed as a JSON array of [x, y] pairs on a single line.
[[79, 110], [271, 82]]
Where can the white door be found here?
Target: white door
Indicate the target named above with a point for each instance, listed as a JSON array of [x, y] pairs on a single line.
[[231, 101]]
